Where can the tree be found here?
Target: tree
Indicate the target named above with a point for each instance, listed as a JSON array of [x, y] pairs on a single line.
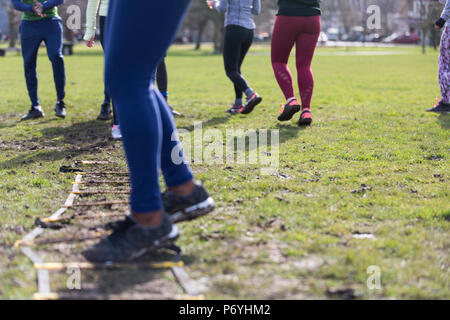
[[14, 18]]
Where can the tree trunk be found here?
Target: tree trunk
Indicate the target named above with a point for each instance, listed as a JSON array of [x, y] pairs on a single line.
[[201, 28], [219, 30], [14, 20]]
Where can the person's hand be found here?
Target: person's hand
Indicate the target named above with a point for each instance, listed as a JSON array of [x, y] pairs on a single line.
[[37, 8], [439, 24], [210, 4], [90, 43]]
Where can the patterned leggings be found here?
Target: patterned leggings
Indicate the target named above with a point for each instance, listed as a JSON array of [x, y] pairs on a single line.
[[444, 65]]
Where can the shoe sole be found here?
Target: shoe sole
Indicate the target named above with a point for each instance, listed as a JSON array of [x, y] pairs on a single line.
[[286, 116], [32, 118], [249, 108], [167, 241], [304, 122], [62, 116], [193, 212], [104, 118]]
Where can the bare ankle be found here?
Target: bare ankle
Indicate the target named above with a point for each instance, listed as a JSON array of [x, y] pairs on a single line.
[[148, 219], [183, 189]]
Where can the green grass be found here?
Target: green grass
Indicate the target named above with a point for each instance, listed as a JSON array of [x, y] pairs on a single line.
[[369, 128]]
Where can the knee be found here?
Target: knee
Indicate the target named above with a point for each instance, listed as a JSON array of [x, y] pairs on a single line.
[[55, 57], [232, 74]]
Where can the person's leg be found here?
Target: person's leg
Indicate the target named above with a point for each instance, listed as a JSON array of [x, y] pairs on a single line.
[[53, 41], [305, 47], [444, 66], [161, 79], [283, 39], [102, 21], [30, 38], [231, 55], [245, 46], [130, 58]]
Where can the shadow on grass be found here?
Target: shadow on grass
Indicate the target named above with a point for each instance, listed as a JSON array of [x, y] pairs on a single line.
[[128, 282], [62, 142], [444, 119], [208, 123]]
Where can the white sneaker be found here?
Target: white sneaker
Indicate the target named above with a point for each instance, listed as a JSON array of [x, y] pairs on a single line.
[[115, 132]]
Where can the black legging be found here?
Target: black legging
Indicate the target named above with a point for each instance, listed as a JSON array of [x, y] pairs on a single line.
[[161, 78], [107, 98], [237, 43]]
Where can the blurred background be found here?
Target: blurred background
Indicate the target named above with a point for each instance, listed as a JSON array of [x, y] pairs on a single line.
[[344, 23]]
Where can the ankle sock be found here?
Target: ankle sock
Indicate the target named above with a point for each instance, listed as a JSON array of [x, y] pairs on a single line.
[[249, 92], [238, 102]]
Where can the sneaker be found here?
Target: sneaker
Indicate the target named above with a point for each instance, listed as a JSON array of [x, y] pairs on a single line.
[[252, 102], [174, 112], [288, 110], [441, 107], [235, 109], [60, 109], [189, 207], [131, 240], [105, 111], [305, 118], [116, 134], [34, 113]]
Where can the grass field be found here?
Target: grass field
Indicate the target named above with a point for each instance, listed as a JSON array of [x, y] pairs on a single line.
[[293, 234]]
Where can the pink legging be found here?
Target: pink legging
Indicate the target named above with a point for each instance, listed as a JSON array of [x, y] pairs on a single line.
[[304, 33]]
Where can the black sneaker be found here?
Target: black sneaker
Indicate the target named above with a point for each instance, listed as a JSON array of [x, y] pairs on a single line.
[[441, 107], [235, 109], [252, 102], [189, 207], [105, 111], [34, 113], [131, 240], [60, 109], [305, 118], [289, 110]]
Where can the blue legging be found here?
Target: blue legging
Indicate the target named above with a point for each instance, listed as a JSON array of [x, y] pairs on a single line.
[[138, 33], [32, 33]]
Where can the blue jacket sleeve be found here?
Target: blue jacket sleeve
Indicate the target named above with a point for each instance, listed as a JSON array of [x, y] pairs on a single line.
[[221, 5], [51, 3], [446, 13], [256, 10], [20, 6]]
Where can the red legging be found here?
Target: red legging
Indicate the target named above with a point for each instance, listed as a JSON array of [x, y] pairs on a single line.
[[304, 33]]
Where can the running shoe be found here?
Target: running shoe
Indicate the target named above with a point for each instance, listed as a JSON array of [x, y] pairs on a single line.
[[60, 109], [131, 240], [252, 102], [184, 208], [116, 134], [440, 107], [235, 109], [105, 111], [305, 118], [34, 113], [288, 110], [174, 112]]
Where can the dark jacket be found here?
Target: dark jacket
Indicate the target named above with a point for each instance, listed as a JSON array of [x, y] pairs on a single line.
[[299, 8]]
